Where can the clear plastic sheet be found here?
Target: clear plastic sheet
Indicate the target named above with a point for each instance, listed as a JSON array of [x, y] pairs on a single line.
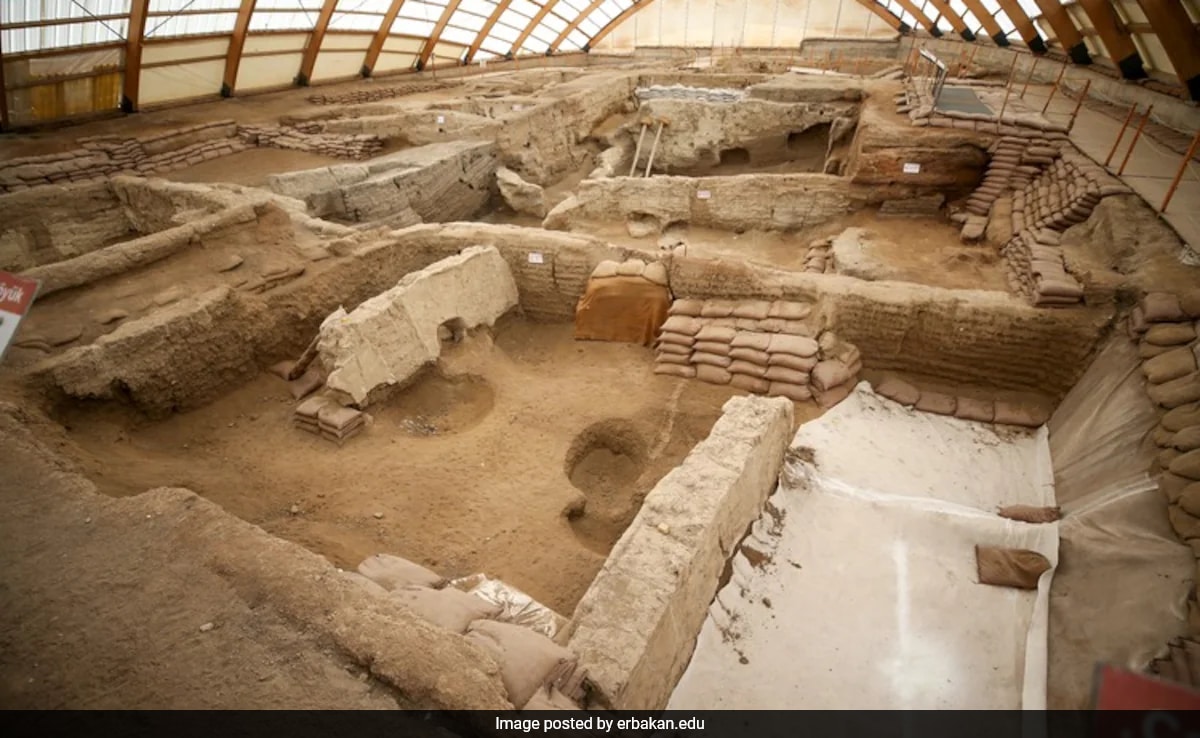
[[516, 607]]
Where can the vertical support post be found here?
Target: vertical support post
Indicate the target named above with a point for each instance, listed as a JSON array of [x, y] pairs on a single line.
[[1029, 79], [1183, 165], [970, 59], [654, 148], [3, 95], [1121, 134], [638, 153], [1087, 86], [1136, 135], [1054, 89], [1007, 90]]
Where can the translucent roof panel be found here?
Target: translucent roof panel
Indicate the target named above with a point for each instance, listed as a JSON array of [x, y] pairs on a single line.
[[69, 24], [285, 15], [167, 17]]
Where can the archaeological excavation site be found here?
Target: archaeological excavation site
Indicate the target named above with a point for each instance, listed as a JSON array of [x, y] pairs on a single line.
[[613, 355]]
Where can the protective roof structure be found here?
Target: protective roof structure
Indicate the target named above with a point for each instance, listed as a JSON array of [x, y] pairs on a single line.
[[1138, 37]]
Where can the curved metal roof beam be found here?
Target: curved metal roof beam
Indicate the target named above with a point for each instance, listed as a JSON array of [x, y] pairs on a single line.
[[1115, 37], [315, 39], [380, 38], [1179, 37], [573, 25], [1065, 29]]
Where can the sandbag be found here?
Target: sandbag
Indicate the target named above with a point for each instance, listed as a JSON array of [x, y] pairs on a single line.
[[1187, 439], [1171, 364], [631, 268], [1170, 334], [675, 370], [749, 340], [684, 324], [679, 339], [656, 272], [1010, 567], [1008, 413], [751, 355], [788, 376], [717, 309], [789, 310], [796, 392], [1031, 513], [526, 659], [899, 391], [1189, 302], [719, 348], [1189, 499], [716, 334], [668, 358], [794, 345], [713, 374], [701, 357], [789, 361], [1173, 485], [1181, 417], [752, 309], [605, 269], [829, 374], [968, 408], [1181, 391], [394, 572], [748, 383], [1187, 465], [747, 368], [447, 608], [673, 348], [689, 308], [832, 396], [937, 402], [1162, 307]]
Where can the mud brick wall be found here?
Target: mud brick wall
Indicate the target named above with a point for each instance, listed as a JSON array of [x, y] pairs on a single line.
[[955, 336], [105, 156], [56, 223], [375, 94]]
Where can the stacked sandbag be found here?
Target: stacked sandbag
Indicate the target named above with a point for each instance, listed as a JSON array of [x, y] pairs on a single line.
[[537, 672], [998, 411], [654, 272], [1037, 271], [757, 346], [324, 417], [1006, 154], [819, 258]]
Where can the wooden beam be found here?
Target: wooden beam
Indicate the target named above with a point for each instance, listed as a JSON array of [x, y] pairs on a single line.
[[574, 24], [134, 38], [1179, 38], [922, 19], [989, 23], [533, 23], [237, 44], [427, 49], [309, 61], [487, 28], [625, 15], [1115, 37], [956, 21], [1065, 29], [380, 38], [1025, 27]]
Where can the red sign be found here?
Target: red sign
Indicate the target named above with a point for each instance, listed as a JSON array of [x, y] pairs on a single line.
[[16, 293], [1150, 707]]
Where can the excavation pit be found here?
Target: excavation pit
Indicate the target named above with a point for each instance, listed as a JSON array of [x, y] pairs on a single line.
[[604, 463]]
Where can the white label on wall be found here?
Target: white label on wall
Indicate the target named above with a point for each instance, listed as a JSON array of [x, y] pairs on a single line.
[[703, 195], [912, 168], [441, 119], [535, 257], [518, 106]]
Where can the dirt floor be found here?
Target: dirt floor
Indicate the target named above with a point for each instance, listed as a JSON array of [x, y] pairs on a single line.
[[466, 471]]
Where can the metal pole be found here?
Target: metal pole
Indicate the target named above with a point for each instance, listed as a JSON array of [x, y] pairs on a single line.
[[1187, 158], [638, 154], [654, 148], [1079, 104], [1136, 135], [1054, 89], [1121, 135], [1030, 77]]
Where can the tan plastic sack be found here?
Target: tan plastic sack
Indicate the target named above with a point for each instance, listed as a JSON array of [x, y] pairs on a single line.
[[394, 572], [527, 659], [447, 608]]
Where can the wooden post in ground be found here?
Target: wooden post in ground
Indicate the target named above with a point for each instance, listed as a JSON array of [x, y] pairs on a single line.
[[1183, 165], [1136, 135], [1054, 89], [1007, 91], [1029, 79], [638, 153], [1121, 134], [1079, 104], [654, 148]]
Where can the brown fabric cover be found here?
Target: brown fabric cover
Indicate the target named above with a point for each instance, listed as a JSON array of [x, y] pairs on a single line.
[[1009, 567], [447, 608], [394, 572], [675, 370], [623, 310], [1031, 514], [527, 659]]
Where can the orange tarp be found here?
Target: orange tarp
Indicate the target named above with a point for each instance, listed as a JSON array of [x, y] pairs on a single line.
[[622, 309]]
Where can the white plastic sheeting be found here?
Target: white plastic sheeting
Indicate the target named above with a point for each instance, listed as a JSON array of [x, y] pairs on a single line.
[[869, 596]]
